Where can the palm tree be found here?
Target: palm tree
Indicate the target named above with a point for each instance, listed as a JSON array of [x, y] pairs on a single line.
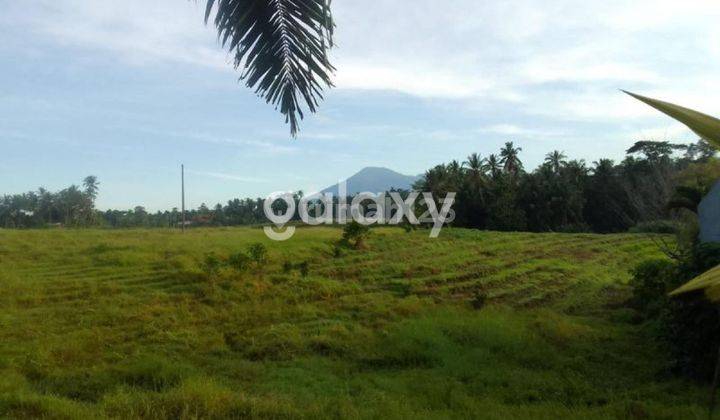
[[91, 185], [556, 160], [509, 158], [493, 165], [474, 163], [435, 180], [45, 205], [603, 167], [281, 46], [454, 169]]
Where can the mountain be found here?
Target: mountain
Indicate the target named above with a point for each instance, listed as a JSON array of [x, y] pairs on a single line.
[[375, 180]]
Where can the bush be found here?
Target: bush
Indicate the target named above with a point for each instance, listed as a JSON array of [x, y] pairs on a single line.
[[304, 268], [407, 226], [239, 261], [479, 299], [688, 325], [258, 254], [337, 251], [705, 256], [651, 282], [354, 235], [211, 264]]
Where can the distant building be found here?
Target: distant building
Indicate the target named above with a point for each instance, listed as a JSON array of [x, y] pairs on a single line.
[[709, 215]]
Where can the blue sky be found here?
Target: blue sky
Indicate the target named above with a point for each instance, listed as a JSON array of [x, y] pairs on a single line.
[[127, 91]]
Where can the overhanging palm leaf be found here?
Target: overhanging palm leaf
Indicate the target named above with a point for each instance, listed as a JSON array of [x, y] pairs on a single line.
[[708, 281], [708, 128], [703, 125], [281, 46]]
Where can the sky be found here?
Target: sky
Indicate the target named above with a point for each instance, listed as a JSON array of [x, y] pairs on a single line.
[[128, 90]]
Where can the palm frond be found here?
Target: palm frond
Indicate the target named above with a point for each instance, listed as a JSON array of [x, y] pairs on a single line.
[[708, 281], [281, 46], [703, 125]]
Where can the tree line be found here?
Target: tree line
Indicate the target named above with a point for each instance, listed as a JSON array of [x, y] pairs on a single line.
[[654, 179], [72, 206], [493, 192]]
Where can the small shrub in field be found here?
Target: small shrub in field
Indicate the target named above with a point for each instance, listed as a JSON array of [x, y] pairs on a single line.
[[211, 264], [650, 283], [354, 234], [337, 251], [479, 299], [257, 253], [239, 261], [304, 268]]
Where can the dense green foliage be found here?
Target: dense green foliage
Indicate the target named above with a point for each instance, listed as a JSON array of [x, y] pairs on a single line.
[[72, 206], [131, 323], [567, 195], [688, 325]]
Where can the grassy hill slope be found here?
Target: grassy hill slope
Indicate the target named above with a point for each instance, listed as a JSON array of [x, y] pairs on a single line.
[[472, 324]]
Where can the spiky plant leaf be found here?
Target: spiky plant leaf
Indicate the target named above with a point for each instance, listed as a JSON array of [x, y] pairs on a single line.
[[703, 125], [708, 128], [708, 281], [281, 47]]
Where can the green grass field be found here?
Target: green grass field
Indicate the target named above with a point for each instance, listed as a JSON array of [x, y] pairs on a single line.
[[126, 324]]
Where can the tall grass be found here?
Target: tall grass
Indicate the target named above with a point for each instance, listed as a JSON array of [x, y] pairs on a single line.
[[131, 324]]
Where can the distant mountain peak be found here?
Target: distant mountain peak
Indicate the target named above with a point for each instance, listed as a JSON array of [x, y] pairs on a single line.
[[375, 179]]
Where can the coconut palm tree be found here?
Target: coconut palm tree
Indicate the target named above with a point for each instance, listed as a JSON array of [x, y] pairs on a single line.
[[509, 158], [493, 165], [435, 180], [556, 160], [474, 167], [454, 168], [474, 163], [91, 185], [281, 46]]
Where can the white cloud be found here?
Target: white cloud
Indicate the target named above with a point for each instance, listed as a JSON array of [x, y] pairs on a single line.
[[138, 31], [426, 83], [500, 51], [268, 147], [260, 146], [231, 177], [640, 15], [515, 130]]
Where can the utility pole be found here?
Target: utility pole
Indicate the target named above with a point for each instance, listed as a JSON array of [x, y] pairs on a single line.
[[182, 180]]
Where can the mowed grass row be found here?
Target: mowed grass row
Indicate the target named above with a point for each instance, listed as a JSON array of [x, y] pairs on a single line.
[[125, 323]]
